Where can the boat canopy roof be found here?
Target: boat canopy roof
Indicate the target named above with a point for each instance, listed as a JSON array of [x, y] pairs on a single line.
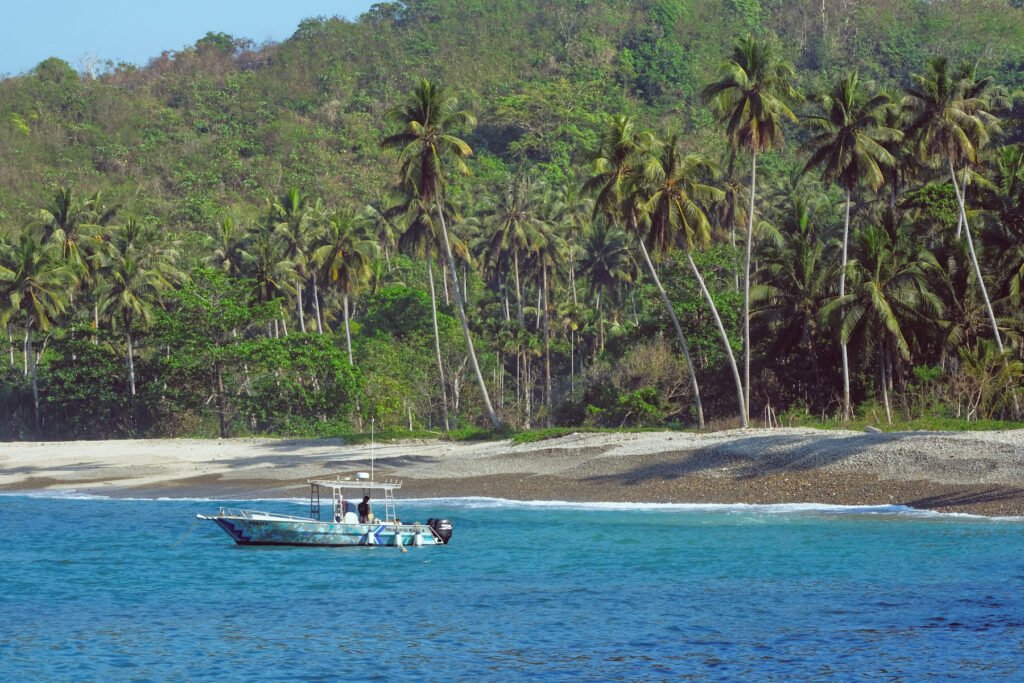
[[360, 484]]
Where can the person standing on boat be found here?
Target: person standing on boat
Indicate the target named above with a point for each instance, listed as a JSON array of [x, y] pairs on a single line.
[[365, 515]]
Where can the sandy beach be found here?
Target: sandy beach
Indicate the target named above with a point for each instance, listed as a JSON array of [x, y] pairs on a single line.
[[975, 472]]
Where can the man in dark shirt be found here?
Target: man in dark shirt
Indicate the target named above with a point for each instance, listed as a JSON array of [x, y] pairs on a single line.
[[364, 511]]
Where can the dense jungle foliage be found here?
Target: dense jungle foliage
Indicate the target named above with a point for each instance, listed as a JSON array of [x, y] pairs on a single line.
[[459, 213]]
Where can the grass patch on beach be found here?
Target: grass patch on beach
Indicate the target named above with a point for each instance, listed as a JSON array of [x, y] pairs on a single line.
[[918, 424]]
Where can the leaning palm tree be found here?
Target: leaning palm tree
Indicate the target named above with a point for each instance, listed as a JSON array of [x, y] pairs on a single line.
[[669, 196], [35, 283], [429, 120], [345, 258], [616, 163], [848, 146], [950, 120], [750, 96]]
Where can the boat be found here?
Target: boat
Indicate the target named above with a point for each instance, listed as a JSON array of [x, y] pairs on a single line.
[[342, 527]]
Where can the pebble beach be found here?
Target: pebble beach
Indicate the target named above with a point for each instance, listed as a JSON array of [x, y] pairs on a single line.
[[968, 472]]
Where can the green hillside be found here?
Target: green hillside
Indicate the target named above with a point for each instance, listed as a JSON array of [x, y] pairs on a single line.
[[250, 159]]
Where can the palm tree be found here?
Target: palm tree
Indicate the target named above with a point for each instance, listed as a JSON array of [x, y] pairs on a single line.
[[295, 218], [420, 238], [796, 285], [848, 146], [551, 257], [429, 120], [345, 258], [229, 252], [515, 231], [670, 195], [751, 95], [615, 164], [35, 283], [265, 263], [889, 292], [136, 270], [606, 264], [950, 120]]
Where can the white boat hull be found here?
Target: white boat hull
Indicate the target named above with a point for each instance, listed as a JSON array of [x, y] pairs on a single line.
[[248, 528]]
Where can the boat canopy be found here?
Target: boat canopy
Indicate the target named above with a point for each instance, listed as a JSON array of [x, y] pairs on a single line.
[[360, 484]]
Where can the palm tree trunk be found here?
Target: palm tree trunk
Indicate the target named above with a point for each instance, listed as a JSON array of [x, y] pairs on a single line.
[[95, 322], [744, 400], [491, 415], [222, 408], [316, 307], [299, 307], [131, 361], [348, 334], [847, 408], [884, 382], [746, 292], [963, 199], [32, 371], [679, 334], [437, 341], [572, 361], [519, 289], [10, 343], [974, 260], [547, 349]]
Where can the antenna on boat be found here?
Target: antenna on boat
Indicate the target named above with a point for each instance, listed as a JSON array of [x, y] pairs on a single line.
[[372, 421]]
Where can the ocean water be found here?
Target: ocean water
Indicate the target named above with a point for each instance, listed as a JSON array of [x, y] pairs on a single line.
[[98, 590]]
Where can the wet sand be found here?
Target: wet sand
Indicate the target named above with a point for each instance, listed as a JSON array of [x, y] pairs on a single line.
[[977, 472]]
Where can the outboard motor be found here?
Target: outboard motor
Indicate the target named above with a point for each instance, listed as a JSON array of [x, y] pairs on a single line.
[[442, 527]]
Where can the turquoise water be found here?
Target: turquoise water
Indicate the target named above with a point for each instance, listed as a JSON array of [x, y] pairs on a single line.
[[99, 589]]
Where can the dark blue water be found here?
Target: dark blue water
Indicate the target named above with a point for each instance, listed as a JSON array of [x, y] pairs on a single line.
[[133, 590]]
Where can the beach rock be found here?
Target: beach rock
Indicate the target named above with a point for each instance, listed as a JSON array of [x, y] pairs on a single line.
[[872, 430]]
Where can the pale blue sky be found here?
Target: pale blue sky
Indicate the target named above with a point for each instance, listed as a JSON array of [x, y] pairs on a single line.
[[137, 30]]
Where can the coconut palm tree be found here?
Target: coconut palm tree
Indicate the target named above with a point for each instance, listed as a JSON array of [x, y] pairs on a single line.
[[750, 95], [889, 293], [848, 146], [796, 286], [420, 238], [606, 264], [429, 121], [36, 284], [136, 270], [950, 120], [345, 257], [669, 197], [229, 252], [295, 216], [265, 263], [516, 231], [616, 163]]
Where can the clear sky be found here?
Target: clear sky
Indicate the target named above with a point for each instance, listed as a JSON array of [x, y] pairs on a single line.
[[137, 30]]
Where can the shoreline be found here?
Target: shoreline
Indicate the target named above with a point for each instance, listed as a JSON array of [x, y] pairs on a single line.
[[979, 473]]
